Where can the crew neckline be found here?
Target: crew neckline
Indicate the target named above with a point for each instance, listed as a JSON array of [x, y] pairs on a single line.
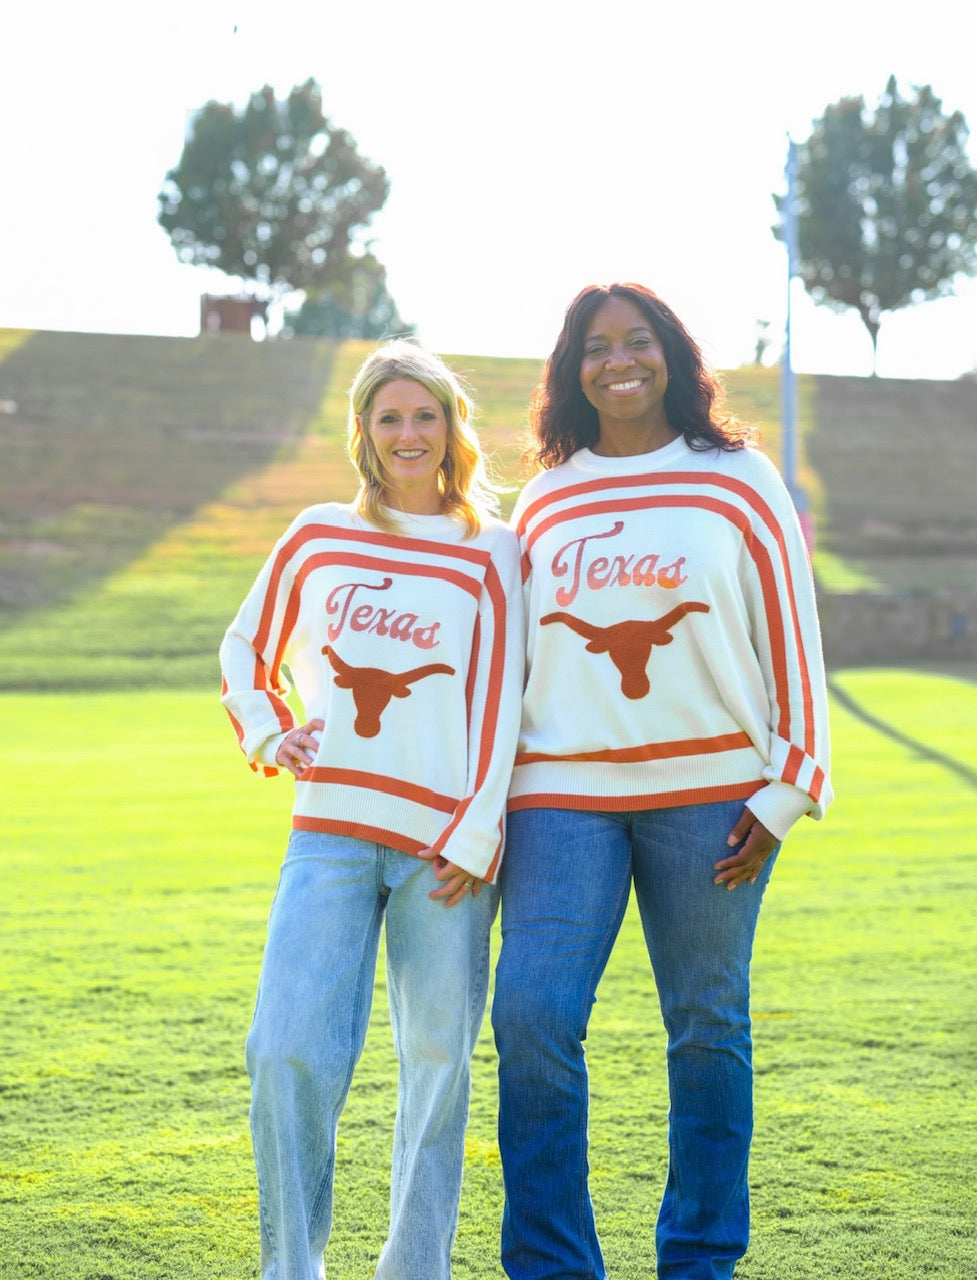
[[586, 460], [429, 523]]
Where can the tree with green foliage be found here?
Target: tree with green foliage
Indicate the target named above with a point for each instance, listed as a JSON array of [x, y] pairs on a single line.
[[274, 194], [359, 307], [885, 205]]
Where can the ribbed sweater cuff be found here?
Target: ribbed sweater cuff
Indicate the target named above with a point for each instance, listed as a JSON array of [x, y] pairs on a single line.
[[778, 805]]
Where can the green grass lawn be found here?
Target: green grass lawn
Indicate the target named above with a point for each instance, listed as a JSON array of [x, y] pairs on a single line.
[[140, 856]]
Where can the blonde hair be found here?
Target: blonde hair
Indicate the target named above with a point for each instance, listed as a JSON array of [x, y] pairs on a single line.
[[466, 487]]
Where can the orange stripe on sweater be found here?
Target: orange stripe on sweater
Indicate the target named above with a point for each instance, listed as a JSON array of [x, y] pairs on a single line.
[[792, 766], [273, 690], [817, 784], [386, 541], [238, 726], [714, 479], [624, 804], [359, 831], [383, 783], [490, 719], [764, 564], [268, 771], [651, 751], [354, 561], [493, 867], [383, 541]]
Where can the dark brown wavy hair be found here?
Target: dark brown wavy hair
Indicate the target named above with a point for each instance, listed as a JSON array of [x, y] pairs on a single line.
[[562, 419]]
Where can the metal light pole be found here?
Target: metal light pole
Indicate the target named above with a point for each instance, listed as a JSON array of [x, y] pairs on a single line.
[[788, 392], [788, 389]]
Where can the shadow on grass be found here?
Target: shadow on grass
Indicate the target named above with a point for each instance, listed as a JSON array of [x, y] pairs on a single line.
[[109, 440], [966, 775]]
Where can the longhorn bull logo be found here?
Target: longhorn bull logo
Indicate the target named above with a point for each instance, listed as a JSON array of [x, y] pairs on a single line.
[[628, 644], [373, 687]]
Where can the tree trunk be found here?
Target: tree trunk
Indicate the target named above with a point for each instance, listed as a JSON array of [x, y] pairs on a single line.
[[872, 325]]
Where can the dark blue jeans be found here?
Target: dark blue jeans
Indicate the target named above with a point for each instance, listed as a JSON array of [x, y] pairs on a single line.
[[566, 879]]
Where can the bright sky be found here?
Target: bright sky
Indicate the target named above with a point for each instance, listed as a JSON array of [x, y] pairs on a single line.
[[533, 147]]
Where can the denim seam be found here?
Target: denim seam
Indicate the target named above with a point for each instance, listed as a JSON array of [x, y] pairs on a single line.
[[584, 1208], [329, 1173]]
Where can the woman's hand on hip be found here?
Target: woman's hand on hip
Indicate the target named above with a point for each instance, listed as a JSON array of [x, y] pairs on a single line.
[[298, 748], [746, 864], [456, 882]]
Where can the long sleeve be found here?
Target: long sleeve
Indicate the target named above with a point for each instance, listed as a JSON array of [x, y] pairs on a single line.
[[253, 687], [779, 588], [474, 837]]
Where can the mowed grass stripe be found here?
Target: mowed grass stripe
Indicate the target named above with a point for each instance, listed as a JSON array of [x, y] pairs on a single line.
[[140, 858]]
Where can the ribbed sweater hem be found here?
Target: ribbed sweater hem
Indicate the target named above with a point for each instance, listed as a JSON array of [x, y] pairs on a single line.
[[633, 802], [359, 831]]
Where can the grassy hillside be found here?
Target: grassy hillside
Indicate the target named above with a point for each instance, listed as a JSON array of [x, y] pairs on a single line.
[[145, 479], [896, 462]]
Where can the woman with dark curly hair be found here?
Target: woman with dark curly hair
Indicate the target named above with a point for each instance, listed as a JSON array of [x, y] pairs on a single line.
[[674, 728]]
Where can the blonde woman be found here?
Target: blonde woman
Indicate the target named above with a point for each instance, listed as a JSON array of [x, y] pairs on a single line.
[[398, 618]]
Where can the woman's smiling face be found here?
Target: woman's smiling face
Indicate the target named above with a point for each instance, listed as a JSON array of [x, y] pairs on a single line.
[[622, 369], [409, 431]]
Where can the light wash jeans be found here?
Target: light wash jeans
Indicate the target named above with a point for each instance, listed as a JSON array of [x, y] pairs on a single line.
[[309, 1027], [565, 886]]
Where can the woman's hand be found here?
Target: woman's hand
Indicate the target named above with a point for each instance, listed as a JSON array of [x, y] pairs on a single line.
[[455, 881], [297, 749], [757, 845]]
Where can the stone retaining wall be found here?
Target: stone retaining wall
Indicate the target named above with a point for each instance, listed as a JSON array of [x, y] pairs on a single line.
[[866, 628]]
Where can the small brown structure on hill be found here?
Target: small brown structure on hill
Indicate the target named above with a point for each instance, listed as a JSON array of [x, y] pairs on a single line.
[[230, 315]]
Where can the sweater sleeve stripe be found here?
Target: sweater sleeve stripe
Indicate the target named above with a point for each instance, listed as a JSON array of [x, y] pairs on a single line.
[[263, 680], [490, 717], [490, 722], [473, 667], [280, 707], [818, 779], [239, 733], [493, 866], [235, 722], [792, 768]]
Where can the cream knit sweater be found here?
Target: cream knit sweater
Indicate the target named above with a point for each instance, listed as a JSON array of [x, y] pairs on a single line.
[[674, 649], [411, 648]]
